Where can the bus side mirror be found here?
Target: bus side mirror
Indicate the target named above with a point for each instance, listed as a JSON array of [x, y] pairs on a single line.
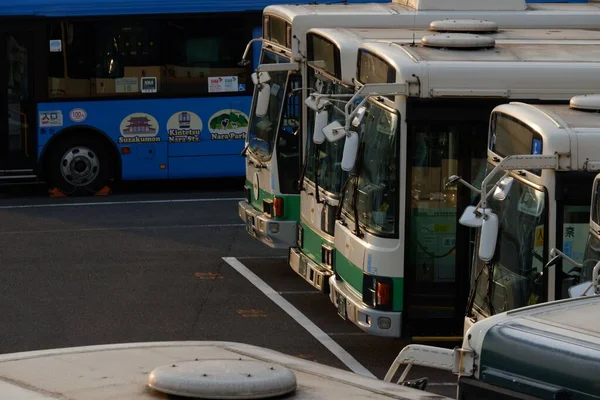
[[582, 289], [472, 217], [262, 100], [321, 119], [260, 77], [334, 132], [489, 236], [503, 188], [350, 150], [552, 261]]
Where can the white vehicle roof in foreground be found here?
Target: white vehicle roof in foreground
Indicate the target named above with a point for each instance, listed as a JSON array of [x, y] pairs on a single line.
[[513, 71], [522, 343], [123, 371], [565, 129]]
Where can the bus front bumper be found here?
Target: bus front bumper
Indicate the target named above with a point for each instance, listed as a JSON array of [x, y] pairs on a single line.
[[273, 233], [315, 274], [380, 323]]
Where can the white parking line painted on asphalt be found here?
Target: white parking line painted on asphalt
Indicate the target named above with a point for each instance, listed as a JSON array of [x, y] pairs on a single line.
[[124, 228], [113, 203], [300, 318]]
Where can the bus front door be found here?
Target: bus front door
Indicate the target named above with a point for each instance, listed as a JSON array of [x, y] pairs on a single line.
[[17, 104]]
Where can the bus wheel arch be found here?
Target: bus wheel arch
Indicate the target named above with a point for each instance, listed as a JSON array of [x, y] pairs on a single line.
[[84, 150]]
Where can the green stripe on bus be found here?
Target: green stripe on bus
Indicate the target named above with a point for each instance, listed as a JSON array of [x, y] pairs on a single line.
[[291, 203], [353, 276], [312, 243]]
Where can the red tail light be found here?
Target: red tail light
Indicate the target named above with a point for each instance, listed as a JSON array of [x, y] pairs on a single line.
[[278, 207], [383, 294]]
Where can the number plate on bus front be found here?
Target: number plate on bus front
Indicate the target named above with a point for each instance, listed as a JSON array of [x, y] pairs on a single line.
[[341, 305], [302, 267], [250, 224]]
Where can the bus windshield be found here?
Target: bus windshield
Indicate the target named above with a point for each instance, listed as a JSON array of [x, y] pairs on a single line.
[[519, 258], [372, 193], [323, 162], [263, 129]]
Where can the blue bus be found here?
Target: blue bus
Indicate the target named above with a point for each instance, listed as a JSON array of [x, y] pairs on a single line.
[[97, 90]]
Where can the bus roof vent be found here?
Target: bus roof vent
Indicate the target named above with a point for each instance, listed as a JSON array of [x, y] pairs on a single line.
[[463, 5], [587, 102], [463, 25], [458, 41], [223, 379]]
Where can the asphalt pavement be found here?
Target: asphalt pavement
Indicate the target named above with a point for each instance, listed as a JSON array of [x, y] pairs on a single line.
[[156, 261]]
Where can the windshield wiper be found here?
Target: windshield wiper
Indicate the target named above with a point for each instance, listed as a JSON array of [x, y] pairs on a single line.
[[471, 301], [303, 174], [353, 176], [490, 287], [317, 170]]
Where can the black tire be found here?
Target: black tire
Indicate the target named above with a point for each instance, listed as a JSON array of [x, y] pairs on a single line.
[[72, 154]]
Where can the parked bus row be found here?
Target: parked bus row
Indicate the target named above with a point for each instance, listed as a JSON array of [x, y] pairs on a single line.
[[390, 117]]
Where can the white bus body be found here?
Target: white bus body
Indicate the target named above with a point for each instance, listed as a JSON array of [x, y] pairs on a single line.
[[271, 208], [312, 258], [538, 209], [440, 120]]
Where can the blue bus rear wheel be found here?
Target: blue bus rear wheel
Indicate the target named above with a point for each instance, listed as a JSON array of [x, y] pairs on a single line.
[[79, 165]]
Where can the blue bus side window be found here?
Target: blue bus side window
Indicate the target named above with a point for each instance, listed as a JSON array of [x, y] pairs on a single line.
[[181, 52]]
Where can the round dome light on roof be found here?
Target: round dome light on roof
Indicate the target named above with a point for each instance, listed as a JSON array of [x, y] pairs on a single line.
[[223, 379], [590, 102], [458, 41], [463, 25]]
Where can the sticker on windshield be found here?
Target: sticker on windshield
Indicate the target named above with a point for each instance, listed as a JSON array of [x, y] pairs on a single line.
[[531, 202], [275, 89], [56, 46], [220, 84]]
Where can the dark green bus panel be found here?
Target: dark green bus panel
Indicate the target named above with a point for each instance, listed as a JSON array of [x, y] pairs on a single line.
[[549, 351]]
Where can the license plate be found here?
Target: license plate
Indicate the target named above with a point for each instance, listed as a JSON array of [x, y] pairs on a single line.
[[302, 267], [250, 224], [341, 305]]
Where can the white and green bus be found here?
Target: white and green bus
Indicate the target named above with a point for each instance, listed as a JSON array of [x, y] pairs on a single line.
[[276, 144], [401, 260], [331, 59], [533, 206]]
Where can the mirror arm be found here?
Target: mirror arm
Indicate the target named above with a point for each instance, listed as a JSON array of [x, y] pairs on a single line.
[[247, 50], [320, 96], [484, 195], [566, 257], [467, 184], [351, 115]]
